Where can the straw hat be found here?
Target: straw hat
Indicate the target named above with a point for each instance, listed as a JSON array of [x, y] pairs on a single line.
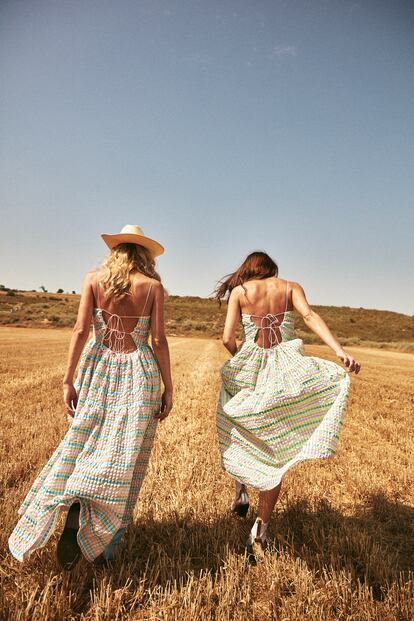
[[133, 234]]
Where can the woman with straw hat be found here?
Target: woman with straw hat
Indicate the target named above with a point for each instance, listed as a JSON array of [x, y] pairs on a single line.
[[97, 470]]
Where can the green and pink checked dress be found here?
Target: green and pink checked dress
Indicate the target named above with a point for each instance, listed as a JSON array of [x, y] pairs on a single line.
[[277, 407], [102, 459]]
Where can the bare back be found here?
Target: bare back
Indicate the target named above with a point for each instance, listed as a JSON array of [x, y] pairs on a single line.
[[121, 316], [263, 297], [266, 302]]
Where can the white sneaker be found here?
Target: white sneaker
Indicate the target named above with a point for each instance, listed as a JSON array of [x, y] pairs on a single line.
[[256, 543]]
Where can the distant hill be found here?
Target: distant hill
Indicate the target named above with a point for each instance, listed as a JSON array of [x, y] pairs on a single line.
[[203, 317]]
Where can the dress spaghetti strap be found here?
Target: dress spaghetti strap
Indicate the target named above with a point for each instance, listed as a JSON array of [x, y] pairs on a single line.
[[97, 296], [287, 297], [146, 301]]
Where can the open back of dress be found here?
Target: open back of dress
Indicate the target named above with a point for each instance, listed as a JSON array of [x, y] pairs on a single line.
[[120, 333], [268, 333]]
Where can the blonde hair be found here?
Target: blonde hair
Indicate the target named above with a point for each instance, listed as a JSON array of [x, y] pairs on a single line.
[[123, 261]]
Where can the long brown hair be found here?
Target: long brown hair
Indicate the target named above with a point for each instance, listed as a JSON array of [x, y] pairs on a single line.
[[256, 265], [123, 261]]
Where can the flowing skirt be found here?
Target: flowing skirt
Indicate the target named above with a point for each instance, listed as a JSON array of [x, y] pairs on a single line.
[[278, 407], [102, 459]]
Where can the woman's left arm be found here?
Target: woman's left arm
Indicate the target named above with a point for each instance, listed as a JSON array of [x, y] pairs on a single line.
[[79, 337], [319, 327], [232, 319]]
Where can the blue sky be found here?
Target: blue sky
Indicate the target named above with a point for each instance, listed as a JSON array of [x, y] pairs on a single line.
[[220, 128]]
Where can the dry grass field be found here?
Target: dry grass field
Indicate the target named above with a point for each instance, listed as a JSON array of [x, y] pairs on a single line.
[[342, 539]]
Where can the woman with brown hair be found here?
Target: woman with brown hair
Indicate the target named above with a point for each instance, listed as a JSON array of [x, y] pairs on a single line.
[[277, 407], [97, 470]]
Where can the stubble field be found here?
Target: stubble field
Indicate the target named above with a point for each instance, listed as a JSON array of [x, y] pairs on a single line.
[[342, 539]]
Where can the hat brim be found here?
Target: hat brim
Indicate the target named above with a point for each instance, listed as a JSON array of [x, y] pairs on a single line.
[[130, 238]]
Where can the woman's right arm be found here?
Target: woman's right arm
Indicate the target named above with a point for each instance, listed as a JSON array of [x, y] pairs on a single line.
[[80, 335], [319, 327], [161, 350], [232, 319]]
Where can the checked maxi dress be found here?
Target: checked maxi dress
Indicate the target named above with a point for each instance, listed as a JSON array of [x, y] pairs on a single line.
[[102, 459], [277, 407]]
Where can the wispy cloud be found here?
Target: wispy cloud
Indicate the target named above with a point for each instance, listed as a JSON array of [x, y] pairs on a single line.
[[279, 51]]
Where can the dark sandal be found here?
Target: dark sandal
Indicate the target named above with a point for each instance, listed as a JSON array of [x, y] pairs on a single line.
[[68, 551]]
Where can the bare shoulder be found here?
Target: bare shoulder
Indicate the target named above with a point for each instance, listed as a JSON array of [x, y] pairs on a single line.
[[141, 279], [299, 300], [157, 286], [296, 287], [236, 293], [156, 283], [156, 290], [90, 277], [97, 274]]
